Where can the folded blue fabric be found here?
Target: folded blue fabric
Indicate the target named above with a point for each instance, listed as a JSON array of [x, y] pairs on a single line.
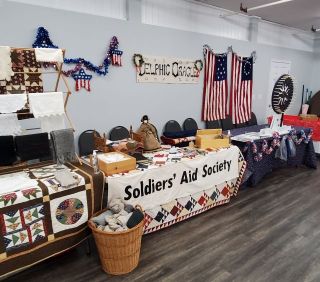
[[180, 134]]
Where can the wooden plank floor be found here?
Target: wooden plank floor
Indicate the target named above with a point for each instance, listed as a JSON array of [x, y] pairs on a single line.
[[267, 233]]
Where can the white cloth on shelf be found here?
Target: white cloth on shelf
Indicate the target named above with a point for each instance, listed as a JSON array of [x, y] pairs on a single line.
[[49, 55], [46, 104], [5, 63], [9, 124], [52, 123], [11, 103], [16, 181]]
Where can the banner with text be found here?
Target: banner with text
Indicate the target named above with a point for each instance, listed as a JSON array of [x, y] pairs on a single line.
[[167, 70], [161, 185]]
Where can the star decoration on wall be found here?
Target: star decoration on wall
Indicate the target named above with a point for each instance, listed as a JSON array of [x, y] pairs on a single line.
[[82, 80]]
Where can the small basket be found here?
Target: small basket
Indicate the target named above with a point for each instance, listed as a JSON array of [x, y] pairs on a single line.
[[119, 252]]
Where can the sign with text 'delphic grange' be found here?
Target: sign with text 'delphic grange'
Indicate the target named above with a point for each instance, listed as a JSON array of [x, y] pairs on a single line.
[[167, 70]]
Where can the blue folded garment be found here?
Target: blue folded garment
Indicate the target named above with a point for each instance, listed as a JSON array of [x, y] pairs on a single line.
[[180, 134]]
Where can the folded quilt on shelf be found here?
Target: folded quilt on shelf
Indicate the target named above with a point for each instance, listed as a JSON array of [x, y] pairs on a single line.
[[49, 55], [46, 104], [9, 124], [12, 103], [52, 123], [5, 63]]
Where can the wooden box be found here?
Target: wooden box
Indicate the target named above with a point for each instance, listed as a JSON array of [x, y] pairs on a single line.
[[211, 138], [109, 168], [217, 131]]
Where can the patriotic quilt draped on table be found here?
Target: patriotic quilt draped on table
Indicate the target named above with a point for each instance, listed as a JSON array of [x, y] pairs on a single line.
[[215, 87], [241, 88]]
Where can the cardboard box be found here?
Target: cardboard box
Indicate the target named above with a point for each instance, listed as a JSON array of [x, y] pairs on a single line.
[[211, 138], [109, 168]]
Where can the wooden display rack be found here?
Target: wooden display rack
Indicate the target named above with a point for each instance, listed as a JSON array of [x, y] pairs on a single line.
[[25, 114]]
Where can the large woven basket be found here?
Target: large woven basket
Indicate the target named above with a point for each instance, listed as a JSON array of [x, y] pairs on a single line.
[[119, 252]]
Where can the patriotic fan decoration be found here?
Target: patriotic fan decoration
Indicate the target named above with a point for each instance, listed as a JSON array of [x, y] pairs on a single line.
[[82, 80], [282, 93]]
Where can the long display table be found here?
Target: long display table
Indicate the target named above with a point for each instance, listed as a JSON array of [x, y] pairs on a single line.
[[179, 190], [257, 168]]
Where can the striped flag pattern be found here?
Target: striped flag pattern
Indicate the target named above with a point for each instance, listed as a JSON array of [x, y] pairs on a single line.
[[215, 87], [241, 89], [116, 57], [85, 83]]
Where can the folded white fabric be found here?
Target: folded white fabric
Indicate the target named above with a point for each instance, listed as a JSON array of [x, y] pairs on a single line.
[[9, 125], [52, 123], [49, 55], [5, 63], [111, 158], [16, 181], [12, 103], [46, 104], [66, 178]]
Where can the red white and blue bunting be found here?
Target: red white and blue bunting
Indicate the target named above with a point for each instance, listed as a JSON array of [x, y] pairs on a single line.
[[112, 57]]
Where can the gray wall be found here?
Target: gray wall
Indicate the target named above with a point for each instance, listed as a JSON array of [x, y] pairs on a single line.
[[117, 99]]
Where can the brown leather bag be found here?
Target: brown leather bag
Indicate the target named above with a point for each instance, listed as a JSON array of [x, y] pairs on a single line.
[[149, 135]]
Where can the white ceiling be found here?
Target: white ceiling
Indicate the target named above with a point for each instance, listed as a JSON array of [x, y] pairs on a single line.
[[301, 14]]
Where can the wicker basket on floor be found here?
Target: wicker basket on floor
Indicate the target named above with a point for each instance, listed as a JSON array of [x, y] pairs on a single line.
[[119, 252]]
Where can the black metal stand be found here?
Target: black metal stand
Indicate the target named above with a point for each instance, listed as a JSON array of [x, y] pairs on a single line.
[[281, 122]]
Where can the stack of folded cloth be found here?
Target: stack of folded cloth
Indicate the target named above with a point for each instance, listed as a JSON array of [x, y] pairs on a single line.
[[118, 217], [66, 178]]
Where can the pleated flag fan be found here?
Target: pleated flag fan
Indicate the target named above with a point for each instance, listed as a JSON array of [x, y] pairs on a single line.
[[283, 94]]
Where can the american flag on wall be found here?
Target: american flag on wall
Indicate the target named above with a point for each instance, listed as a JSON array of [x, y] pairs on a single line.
[[241, 89], [215, 87]]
